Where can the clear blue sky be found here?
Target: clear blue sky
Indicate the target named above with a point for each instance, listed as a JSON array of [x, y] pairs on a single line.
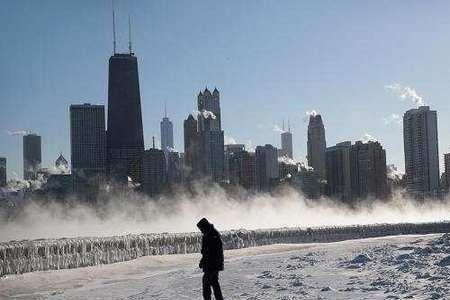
[[269, 59]]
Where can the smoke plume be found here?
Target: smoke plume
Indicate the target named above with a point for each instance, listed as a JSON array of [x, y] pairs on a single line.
[[405, 92], [16, 132]]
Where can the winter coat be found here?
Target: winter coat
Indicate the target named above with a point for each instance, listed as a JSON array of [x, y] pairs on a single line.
[[212, 251]]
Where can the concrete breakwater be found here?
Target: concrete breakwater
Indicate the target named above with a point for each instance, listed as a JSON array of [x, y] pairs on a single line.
[[18, 257]]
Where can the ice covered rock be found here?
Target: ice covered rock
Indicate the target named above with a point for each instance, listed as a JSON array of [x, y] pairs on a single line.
[[361, 259], [444, 262]]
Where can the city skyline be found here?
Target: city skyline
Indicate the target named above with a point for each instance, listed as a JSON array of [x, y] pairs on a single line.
[[47, 95]]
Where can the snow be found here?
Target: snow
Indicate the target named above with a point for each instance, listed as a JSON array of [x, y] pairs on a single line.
[[283, 271]]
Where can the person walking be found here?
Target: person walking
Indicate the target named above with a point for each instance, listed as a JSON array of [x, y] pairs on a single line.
[[212, 259]]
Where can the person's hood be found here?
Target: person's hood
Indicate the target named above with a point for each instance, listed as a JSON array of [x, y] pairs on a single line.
[[204, 225]]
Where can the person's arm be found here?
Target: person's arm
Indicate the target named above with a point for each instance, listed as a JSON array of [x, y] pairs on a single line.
[[204, 252]]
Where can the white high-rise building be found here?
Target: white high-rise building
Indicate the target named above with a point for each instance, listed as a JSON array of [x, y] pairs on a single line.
[[420, 137]]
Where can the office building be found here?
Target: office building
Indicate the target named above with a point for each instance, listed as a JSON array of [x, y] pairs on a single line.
[[166, 134], [191, 148], [368, 170], [267, 169], [420, 137], [2, 172], [32, 156], [88, 147], [125, 138], [242, 169], [337, 161], [211, 135], [154, 171], [316, 145]]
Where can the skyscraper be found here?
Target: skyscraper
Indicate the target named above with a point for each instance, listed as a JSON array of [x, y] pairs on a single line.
[[368, 170], [125, 139], [191, 147], [166, 134], [88, 146], [211, 135], [286, 143], [32, 157], [420, 137], [154, 171], [231, 149], [267, 169], [337, 160], [242, 169], [316, 145], [174, 168], [446, 174], [2, 171]]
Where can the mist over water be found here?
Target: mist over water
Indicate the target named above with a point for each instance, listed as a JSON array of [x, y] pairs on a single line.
[[135, 213]]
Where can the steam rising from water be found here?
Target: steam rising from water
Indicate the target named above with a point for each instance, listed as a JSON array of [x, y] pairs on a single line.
[[137, 214]]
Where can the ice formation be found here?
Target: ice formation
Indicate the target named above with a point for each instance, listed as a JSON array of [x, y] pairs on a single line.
[[18, 257]]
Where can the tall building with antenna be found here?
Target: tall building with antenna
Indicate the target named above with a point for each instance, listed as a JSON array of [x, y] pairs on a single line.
[[125, 138], [286, 142], [166, 133]]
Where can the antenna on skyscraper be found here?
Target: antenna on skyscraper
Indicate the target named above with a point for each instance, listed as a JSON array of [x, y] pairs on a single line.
[[130, 49], [165, 109], [114, 26], [289, 126], [153, 138], [283, 125]]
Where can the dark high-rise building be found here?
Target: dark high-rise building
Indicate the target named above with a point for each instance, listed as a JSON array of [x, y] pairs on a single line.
[[337, 160], [88, 147], [316, 145], [166, 134], [210, 135], [368, 170], [32, 156], [231, 149], [154, 170], [2, 171], [125, 139], [446, 174], [420, 137], [286, 143], [267, 169], [242, 169], [174, 168], [191, 147]]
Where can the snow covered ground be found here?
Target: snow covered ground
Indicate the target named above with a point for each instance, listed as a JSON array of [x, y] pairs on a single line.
[[398, 267]]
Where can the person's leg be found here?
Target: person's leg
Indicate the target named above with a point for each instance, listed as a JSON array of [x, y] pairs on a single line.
[[216, 286], [206, 286]]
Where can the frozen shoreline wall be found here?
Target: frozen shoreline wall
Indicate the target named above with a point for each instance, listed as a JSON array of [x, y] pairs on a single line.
[[18, 257]]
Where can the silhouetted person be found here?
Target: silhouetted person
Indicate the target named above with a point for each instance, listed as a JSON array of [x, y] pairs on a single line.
[[212, 259]]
